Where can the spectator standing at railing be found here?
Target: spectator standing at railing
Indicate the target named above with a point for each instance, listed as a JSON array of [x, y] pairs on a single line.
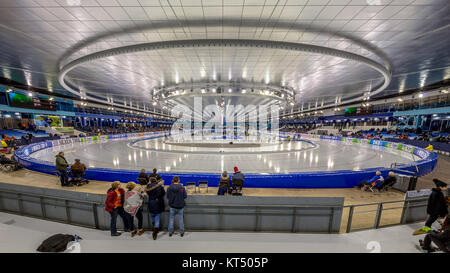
[[176, 194], [114, 205], [155, 193], [61, 167], [134, 198]]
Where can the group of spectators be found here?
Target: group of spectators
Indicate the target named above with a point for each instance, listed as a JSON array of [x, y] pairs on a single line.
[[437, 207], [106, 130], [128, 204], [414, 134]]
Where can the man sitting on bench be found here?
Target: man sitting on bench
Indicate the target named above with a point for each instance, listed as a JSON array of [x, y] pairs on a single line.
[[78, 169]]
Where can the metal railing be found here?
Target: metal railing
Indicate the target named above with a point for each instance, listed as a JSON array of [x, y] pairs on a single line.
[[379, 210], [218, 209]]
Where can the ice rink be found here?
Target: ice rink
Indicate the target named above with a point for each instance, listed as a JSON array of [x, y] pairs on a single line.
[[285, 157]]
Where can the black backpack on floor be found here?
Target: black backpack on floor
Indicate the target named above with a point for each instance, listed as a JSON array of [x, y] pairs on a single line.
[[56, 243]]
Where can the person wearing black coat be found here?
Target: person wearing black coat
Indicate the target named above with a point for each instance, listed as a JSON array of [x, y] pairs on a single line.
[[155, 193], [143, 178], [437, 206]]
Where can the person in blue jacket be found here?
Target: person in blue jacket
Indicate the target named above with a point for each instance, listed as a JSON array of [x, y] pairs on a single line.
[[376, 182], [176, 194]]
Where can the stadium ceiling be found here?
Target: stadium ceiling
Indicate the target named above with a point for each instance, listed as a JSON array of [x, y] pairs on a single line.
[[327, 52]]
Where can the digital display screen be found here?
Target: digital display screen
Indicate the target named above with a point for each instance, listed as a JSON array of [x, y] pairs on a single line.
[[32, 102], [356, 111]]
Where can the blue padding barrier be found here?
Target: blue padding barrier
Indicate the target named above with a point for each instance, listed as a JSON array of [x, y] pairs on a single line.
[[327, 179]]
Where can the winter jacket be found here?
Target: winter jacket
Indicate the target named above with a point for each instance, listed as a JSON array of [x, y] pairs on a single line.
[[144, 177], [376, 179], [133, 201], [176, 195], [78, 167], [436, 203], [238, 179], [111, 199], [61, 163], [224, 182], [156, 199]]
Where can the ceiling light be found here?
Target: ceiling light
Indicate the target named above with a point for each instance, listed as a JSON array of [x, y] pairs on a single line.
[[420, 95], [154, 103], [30, 94], [399, 99], [203, 90], [244, 91], [229, 90], [214, 90], [50, 98]]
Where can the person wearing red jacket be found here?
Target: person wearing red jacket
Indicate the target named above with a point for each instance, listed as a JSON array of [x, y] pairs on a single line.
[[114, 205]]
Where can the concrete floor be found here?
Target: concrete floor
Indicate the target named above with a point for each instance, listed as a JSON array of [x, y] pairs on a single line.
[[20, 234]]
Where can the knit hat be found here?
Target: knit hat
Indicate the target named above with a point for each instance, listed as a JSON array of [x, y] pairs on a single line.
[[439, 183], [236, 169]]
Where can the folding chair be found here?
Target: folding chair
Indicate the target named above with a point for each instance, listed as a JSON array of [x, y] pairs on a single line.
[[190, 186], [202, 185]]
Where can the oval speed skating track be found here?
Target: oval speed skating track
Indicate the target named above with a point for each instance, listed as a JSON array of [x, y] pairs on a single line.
[[326, 156]]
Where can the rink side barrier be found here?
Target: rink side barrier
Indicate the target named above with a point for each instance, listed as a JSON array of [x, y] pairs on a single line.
[[325, 179]]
